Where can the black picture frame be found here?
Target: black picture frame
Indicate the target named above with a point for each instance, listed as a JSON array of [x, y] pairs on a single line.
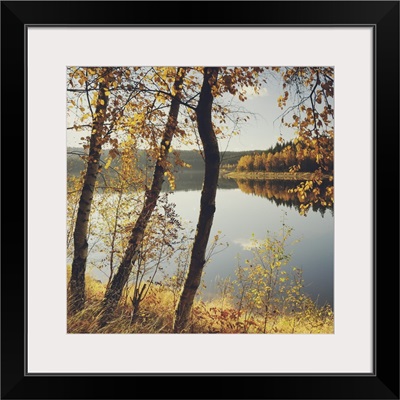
[[383, 383]]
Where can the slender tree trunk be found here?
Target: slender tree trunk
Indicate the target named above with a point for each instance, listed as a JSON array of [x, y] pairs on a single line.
[[114, 237], [114, 290], [77, 281], [207, 202]]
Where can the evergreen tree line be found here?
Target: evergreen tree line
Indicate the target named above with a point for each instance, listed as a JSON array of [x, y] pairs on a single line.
[[283, 157]]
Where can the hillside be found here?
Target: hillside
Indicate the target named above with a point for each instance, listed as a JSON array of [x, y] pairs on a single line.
[[192, 157]]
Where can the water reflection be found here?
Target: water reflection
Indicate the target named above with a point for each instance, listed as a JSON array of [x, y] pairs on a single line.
[[188, 180], [277, 191], [241, 212]]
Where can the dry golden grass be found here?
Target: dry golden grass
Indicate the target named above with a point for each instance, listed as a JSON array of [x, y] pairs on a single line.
[[157, 313]]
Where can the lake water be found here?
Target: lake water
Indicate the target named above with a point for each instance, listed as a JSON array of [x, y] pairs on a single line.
[[256, 207]]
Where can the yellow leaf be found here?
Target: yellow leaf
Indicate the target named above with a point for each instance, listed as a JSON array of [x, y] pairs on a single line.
[[160, 98], [137, 119], [101, 101], [108, 163]]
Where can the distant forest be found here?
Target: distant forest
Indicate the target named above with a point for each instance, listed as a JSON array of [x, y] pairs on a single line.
[[75, 164]]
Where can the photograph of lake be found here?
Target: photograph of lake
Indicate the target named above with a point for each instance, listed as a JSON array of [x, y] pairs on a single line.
[[200, 199]]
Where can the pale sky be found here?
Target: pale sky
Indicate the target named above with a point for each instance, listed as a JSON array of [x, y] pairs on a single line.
[[264, 127]]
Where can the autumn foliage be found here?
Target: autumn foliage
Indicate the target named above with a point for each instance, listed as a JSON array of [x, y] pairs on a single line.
[[158, 110]]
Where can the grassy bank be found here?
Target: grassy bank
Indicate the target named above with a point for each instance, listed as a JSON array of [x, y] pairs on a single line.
[[217, 316], [292, 176]]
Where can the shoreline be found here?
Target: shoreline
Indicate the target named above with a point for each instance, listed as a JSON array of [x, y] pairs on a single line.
[[292, 176]]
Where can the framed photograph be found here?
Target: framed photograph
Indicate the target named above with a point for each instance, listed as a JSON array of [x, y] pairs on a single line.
[[202, 200]]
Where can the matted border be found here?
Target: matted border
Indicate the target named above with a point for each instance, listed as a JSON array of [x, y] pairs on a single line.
[[167, 353]]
